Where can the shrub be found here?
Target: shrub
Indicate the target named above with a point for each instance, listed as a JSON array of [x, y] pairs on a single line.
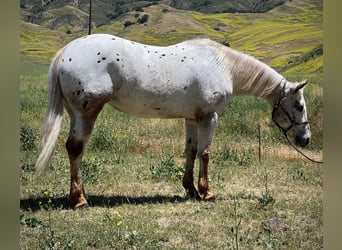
[[143, 19], [166, 169], [91, 171], [128, 23], [242, 158], [102, 139]]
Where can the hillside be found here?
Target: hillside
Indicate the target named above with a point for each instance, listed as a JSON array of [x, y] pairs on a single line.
[[52, 13], [229, 6], [287, 37]]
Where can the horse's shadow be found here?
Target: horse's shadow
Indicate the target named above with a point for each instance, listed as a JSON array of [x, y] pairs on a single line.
[[38, 203]]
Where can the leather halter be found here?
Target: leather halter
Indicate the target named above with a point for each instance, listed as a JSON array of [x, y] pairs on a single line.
[[279, 105]]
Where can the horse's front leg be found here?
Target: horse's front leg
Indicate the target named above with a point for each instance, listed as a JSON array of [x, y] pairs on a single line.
[[206, 128], [191, 145]]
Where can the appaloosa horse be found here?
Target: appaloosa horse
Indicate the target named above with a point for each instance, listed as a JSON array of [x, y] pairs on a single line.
[[193, 80]]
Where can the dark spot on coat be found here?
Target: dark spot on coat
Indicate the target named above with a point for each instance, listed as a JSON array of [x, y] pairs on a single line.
[[117, 54], [185, 87], [70, 59], [113, 39], [98, 61], [98, 53], [78, 92], [79, 83], [85, 104], [118, 59], [163, 55], [63, 60], [103, 58], [157, 108], [148, 51], [182, 60]]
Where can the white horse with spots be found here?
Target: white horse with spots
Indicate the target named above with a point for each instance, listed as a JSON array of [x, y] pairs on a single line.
[[193, 80]]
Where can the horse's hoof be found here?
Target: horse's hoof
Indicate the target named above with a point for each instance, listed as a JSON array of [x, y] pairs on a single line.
[[209, 196], [81, 206], [193, 194], [193, 197]]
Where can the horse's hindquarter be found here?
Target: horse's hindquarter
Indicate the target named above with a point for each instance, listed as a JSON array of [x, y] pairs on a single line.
[[146, 81]]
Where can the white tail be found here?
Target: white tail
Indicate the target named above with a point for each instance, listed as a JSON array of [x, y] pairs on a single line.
[[53, 119]]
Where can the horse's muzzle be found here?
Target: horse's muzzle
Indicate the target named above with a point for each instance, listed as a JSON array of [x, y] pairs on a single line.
[[302, 141]]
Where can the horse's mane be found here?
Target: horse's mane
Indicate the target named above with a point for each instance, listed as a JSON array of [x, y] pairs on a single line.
[[249, 75]]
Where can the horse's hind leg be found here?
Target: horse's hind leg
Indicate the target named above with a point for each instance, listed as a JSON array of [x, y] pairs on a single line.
[[206, 128], [81, 127], [191, 145]]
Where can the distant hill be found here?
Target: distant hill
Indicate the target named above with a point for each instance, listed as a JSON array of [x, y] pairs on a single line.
[[228, 6], [51, 13], [288, 37]]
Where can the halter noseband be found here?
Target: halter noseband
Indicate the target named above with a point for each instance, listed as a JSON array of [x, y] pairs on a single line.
[[278, 105]]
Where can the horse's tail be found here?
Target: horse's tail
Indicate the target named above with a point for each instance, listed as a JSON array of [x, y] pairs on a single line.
[[53, 119]]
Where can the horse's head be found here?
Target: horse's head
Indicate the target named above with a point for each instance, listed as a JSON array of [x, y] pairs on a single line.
[[289, 113]]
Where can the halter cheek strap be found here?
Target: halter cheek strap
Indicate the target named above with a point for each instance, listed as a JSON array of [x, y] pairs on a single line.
[[278, 105]]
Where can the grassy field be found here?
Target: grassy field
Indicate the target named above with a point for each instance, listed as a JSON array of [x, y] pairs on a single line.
[[132, 172], [132, 168]]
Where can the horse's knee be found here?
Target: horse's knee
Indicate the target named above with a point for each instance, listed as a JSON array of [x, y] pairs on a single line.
[[74, 147]]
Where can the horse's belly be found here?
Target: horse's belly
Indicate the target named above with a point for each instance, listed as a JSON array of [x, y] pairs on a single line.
[[153, 107]]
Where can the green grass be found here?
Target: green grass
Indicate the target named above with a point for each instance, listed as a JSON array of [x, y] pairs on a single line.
[[132, 173]]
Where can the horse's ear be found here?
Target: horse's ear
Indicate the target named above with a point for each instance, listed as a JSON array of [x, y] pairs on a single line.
[[300, 85]]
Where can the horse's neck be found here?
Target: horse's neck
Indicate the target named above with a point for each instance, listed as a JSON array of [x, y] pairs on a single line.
[[255, 78]]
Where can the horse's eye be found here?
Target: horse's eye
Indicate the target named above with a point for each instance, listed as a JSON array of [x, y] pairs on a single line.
[[299, 106]]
